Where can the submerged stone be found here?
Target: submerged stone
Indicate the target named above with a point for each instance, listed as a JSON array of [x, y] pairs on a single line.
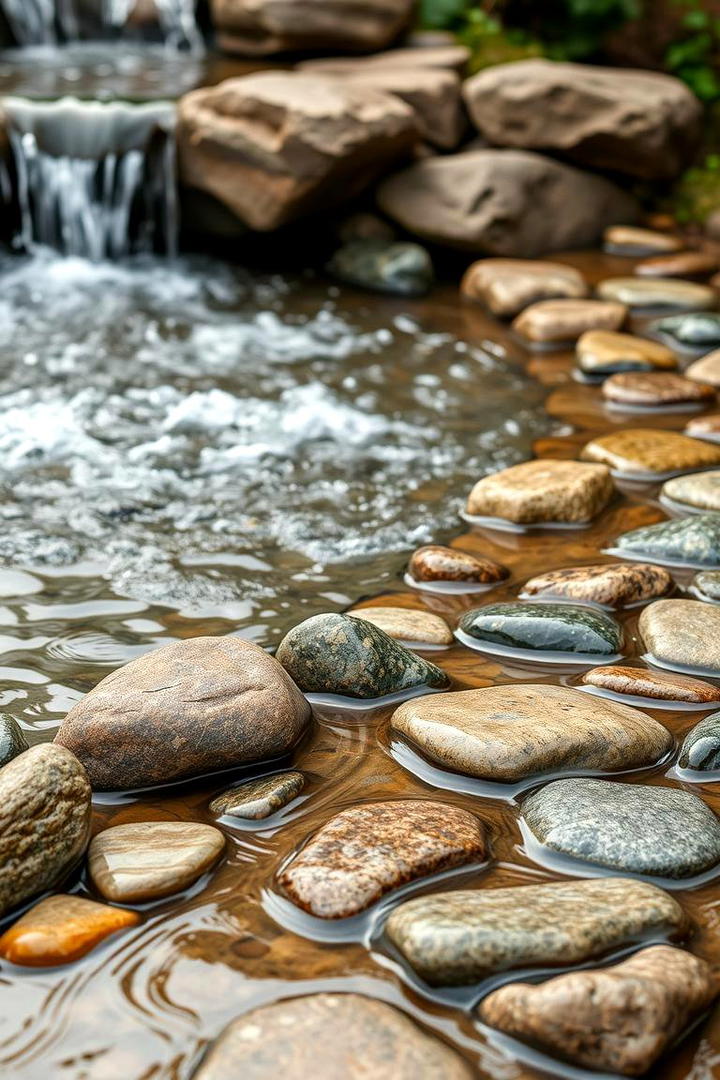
[[691, 541], [508, 286], [258, 799], [682, 633], [701, 746], [398, 268], [544, 627], [650, 452], [682, 264], [558, 321], [61, 929], [459, 938], [640, 682], [408, 624], [12, 740], [342, 654], [611, 584], [544, 490], [708, 583], [706, 369], [664, 292], [656, 388], [698, 330], [634, 241], [436, 563], [601, 352], [637, 829], [699, 491]]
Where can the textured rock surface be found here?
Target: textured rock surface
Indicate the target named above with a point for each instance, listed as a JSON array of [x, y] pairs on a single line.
[[12, 740], [545, 490], [44, 821], [457, 938], [697, 330], [503, 202], [692, 541], [708, 583], [665, 292], [408, 624], [545, 627], [619, 1020], [701, 746], [342, 654], [706, 369], [652, 684], [399, 269], [147, 860], [635, 122], [258, 799], [656, 388], [61, 929], [283, 1039], [682, 632], [611, 584], [190, 708], [366, 851], [509, 733], [699, 490], [638, 829], [704, 427], [445, 57], [650, 452], [603, 352], [436, 563], [681, 264], [558, 321], [631, 240], [508, 286]]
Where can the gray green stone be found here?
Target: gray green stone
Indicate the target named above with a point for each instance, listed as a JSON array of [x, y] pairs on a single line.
[[12, 740], [693, 540], [699, 329], [545, 628], [707, 582], [660, 831], [341, 654], [258, 799], [701, 746], [399, 268]]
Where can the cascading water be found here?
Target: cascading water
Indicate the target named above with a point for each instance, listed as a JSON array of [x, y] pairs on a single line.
[[54, 22]]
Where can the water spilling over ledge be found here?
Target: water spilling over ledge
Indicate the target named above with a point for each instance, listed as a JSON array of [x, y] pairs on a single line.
[[57, 22]]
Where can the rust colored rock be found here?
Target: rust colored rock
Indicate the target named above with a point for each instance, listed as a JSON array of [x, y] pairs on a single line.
[[190, 708], [61, 929], [436, 563], [508, 286], [619, 1019], [611, 584], [682, 264], [367, 851], [656, 388], [560, 321], [541, 491], [641, 682]]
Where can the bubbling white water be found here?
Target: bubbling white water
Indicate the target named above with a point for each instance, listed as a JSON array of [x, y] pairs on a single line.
[[54, 22]]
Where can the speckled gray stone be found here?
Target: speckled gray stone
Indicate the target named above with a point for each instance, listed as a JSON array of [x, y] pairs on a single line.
[[696, 330], [458, 938], [682, 634], [257, 799], [398, 268], [12, 740], [707, 582], [660, 831], [701, 746], [692, 541], [545, 628]]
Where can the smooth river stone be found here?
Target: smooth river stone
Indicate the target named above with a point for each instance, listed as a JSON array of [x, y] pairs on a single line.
[[701, 491], [682, 633], [701, 746], [190, 708], [329, 1037], [459, 938], [508, 286], [601, 352], [544, 490], [698, 330], [61, 929], [12, 740], [691, 540], [408, 624], [618, 1019], [660, 831], [704, 427], [633, 241], [637, 292], [656, 388], [436, 563], [44, 821], [681, 265], [344, 655], [650, 452], [708, 583], [545, 627], [706, 369], [611, 584], [148, 860], [554, 322], [641, 682], [510, 733], [367, 851], [258, 799]]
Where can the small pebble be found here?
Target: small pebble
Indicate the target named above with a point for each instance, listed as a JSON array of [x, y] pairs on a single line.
[[555, 322], [435, 563], [632, 241], [701, 746], [408, 624], [258, 799], [61, 929], [601, 352], [12, 740], [691, 541], [638, 292], [706, 369], [508, 286], [682, 634], [650, 452], [641, 682], [696, 491], [655, 389], [542, 491], [683, 264], [610, 584], [544, 627]]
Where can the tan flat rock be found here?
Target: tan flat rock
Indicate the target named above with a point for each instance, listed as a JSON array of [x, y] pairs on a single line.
[[704, 427], [508, 286], [408, 624], [651, 293], [656, 388], [641, 682], [611, 584], [559, 321], [61, 929], [543, 490], [682, 264], [602, 352], [698, 490], [647, 451], [436, 563], [682, 633], [631, 240], [706, 369]]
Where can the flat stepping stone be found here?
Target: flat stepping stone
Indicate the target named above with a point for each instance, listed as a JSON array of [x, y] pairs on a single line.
[[704, 427], [682, 634], [638, 292], [148, 860], [706, 369], [508, 286], [601, 352], [408, 625], [12, 740], [651, 453], [555, 322], [694, 491], [660, 831], [616, 1020], [642, 683], [707, 584], [367, 851], [654, 389], [434, 563], [631, 241], [544, 628], [691, 541], [510, 733], [328, 1036], [697, 330], [256, 800], [609, 584], [459, 938], [544, 491], [682, 264], [61, 929], [701, 746]]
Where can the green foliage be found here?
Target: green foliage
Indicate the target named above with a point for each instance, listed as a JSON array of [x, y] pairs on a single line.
[[697, 192], [578, 29], [695, 57]]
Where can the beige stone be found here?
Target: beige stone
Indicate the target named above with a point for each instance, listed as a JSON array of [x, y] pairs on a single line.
[[601, 352], [698, 490], [408, 624], [631, 240], [656, 388], [508, 286], [544, 490], [682, 264], [704, 427], [256, 800], [647, 451], [610, 584], [641, 682], [444, 57], [682, 633], [706, 369], [560, 321], [637, 292]]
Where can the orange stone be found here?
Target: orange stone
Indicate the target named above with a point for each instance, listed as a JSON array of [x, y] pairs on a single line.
[[61, 929]]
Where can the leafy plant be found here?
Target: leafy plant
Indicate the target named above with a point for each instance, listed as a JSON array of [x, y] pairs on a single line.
[[695, 57]]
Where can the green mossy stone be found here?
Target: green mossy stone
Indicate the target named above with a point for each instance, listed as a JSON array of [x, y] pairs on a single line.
[[12, 740], [567, 628], [401, 269], [696, 330], [693, 540]]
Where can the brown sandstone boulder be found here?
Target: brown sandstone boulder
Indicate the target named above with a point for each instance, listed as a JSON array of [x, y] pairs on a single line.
[[447, 57], [276, 145]]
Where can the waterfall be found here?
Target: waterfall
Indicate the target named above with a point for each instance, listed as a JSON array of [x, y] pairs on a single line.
[[54, 22], [94, 180]]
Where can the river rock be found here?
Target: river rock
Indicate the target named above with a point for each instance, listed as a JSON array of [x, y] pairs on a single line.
[[649, 293], [503, 202], [637, 829], [283, 1039], [637, 122], [544, 627], [507, 286], [706, 369], [618, 1019], [147, 860], [445, 56], [560, 321], [697, 330], [648, 452], [397, 268], [61, 929], [610, 584], [701, 746], [704, 427], [12, 740], [44, 821], [707, 582], [193, 707], [651, 389], [436, 563], [408, 624], [342, 654], [683, 633], [275, 145], [686, 541], [459, 938], [640, 682], [542, 491], [496, 733], [634, 241], [258, 799], [602, 352], [367, 851], [699, 491], [680, 264]]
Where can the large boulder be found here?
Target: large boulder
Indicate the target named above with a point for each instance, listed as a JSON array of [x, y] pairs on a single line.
[[447, 57], [276, 145], [641, 123], [263, 27], [504, 202]]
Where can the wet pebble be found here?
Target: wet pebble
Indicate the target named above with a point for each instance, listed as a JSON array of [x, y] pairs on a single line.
[[707, 582], [641, 682], [691, 541], [436, 563], [638, 292], [408, 624], [508, 286], [610, 584], [12, 740], [696, 491], [683, 264], [258, 799], [706, 369], [542, 491], [396, 267], [653, 389], [704, 427], [650, 452], [555, 322], [699, 330], [61, 929], [601, 352], [682, 634], [544, 627], [634, 241], [701, 746]]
